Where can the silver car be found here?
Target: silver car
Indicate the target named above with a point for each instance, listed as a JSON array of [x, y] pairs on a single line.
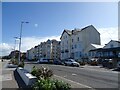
[[71, 62]]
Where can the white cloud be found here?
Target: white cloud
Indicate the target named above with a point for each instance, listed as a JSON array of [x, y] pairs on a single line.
[[5, 48], [108, 34]]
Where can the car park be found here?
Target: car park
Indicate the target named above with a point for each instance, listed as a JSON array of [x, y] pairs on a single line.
[[71, 62]]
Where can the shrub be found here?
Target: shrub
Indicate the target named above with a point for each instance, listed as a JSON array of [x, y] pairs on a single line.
[[14, 61], [48, 84], [36, 72], [60, 85], [82, 63], [44, 84], [21, 64], [42, 72]]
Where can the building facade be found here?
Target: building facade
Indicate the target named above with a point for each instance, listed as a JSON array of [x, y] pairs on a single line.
[[110, 51], [30, 54], [74, 43], [48, 50]]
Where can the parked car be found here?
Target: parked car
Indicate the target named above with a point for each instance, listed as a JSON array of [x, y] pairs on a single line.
[[71, 62], [107, 63], [43, 61], [57, 62], [93, 62]]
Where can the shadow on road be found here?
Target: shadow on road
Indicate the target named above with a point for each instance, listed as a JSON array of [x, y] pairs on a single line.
[[20, 82]]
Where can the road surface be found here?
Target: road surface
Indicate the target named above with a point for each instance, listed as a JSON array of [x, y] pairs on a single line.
[[86, 77]]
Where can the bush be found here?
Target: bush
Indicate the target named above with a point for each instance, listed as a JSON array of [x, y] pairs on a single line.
[[13, 61], [21, 64], [60, 85], [44, 84], [42, 72], [48, 84], [82, 63], [94, 63]]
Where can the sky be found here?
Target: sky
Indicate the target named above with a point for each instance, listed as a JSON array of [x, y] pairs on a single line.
[[47, 20]]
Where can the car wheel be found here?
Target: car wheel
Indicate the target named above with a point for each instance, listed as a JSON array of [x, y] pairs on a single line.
[[77, 65], [72, 64]]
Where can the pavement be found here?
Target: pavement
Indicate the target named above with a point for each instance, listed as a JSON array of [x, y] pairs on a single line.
[[10, 78]]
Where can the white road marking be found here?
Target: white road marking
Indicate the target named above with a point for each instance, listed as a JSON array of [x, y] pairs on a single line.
[[73, 82], [74, 74], [100, 70]]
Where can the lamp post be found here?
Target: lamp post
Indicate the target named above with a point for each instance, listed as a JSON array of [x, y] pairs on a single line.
[[15, 46], [20, 40]]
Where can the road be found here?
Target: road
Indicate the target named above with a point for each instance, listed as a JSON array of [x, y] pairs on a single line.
[[87, 77]]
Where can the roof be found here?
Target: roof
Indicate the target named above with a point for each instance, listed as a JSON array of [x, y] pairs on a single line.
[[112, 41], [67, 31], [115, 41], [88, 27], [76, 30], [107, 49], [97, 46]]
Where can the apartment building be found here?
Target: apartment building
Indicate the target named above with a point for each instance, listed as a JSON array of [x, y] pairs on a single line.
[[30, 54], [55, 49], [48, 50], [75, 43]]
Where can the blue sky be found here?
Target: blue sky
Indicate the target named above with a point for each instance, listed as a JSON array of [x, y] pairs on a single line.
[[52, 18]]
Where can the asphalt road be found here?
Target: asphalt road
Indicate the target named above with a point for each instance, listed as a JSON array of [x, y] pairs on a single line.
[[89, 78]]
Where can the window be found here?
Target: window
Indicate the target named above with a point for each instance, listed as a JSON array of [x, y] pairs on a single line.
[[78, 39], [75, 46], [72, 40], [80, 54], [67, 42], [72, 46]]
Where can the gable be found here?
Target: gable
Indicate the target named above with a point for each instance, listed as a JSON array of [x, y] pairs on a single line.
[[112, 44], [68, 33], [90, 27]]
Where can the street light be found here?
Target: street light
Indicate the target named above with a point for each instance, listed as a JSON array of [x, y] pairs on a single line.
[[20, 40], [15, 42], [15, 46]]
